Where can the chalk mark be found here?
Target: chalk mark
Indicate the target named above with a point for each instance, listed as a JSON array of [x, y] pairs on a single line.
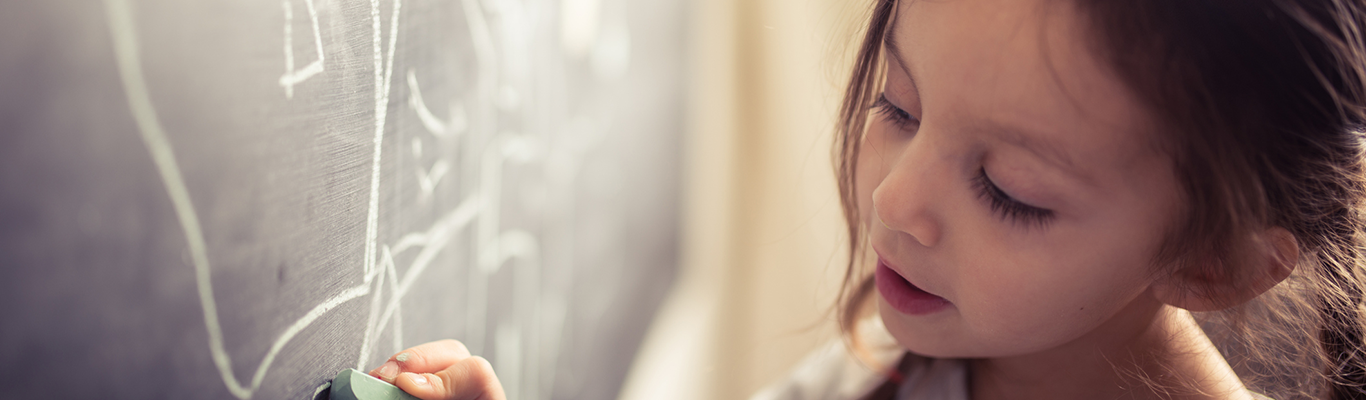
[[427, 181], [432, 242], [398, 308], [293, 77], [154, 137], [383, 72], [436, 126], [127, 55], [495, 247], [374, 308]]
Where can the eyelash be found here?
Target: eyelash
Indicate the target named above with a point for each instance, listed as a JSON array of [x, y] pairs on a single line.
[[1001, 203], [899, 117], [1009, 208]]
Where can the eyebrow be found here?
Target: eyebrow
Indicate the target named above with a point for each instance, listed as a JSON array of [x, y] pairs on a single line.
[[1045, 150], [1031, 142], [889, 40]]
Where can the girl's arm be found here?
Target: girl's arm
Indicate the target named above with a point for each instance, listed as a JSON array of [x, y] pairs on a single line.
[[441, 370]]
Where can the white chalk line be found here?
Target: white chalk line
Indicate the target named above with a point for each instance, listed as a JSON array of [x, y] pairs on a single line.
[[293, 77], [289, 49], [437, 127], [154, 137], [398, 309], [427, 181], [433, 241], [383, 73], [372, 213], [374, 306], [381, 112], [312, 315]]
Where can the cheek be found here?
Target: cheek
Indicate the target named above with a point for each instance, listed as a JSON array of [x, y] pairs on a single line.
[[1037, 311], [1031, 300]]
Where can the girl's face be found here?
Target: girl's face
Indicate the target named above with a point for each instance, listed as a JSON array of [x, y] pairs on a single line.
[[1012, 185]]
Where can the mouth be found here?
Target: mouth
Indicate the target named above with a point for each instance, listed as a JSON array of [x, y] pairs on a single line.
[[904, 296]]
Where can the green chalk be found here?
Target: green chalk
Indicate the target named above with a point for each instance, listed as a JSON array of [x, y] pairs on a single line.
[[351, 384]]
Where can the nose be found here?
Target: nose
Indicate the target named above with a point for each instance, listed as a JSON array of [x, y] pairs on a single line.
[[904, 201]]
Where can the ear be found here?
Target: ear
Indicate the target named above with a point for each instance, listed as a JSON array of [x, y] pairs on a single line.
[[1215, 283]]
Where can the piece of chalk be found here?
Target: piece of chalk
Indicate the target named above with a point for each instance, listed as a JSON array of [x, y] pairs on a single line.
[[351, 384]]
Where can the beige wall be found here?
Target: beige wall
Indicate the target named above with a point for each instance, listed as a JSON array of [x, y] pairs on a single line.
[[763, 241]]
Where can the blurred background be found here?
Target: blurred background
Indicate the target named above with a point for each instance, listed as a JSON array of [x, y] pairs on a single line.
[[763, 248], [605, 198]]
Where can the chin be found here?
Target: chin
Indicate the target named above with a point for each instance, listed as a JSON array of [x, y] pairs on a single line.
[[923, 335]]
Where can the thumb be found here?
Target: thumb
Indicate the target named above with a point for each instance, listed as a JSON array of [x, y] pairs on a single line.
[[468, 379]]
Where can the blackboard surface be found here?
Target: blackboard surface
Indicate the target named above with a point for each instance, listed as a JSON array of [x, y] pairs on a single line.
[[239, 198]]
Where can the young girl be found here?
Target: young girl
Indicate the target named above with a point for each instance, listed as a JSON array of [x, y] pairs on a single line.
[[1047, 188]]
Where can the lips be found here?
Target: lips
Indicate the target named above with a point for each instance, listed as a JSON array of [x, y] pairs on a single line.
[[904, 296]]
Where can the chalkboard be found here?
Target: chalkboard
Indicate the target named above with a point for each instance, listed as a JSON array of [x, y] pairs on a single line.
[[239, 198]]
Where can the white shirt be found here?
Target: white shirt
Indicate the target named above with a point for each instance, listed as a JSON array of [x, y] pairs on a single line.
[[833, 373]]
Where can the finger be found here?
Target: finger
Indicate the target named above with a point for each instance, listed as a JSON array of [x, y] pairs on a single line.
[[469, 379], [424, 358]]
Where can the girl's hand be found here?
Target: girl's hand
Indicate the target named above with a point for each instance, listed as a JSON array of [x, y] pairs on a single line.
[[442, 370]]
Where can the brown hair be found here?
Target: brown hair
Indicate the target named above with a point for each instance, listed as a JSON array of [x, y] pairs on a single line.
[[1262, 105]]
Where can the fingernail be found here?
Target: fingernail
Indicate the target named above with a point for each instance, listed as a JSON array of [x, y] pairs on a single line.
[[420, 380], [402, 357], [388, 371]]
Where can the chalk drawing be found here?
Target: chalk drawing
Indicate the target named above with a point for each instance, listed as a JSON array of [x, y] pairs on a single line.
[[140, 104], [374, 310], [383, 71], [432, 242], [427, 180], [442, 129], [526, 346], [154, 137], [293, 77], [127, 55], [398, 309]]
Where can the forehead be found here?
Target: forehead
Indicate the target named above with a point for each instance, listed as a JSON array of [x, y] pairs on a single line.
[[1019, 72]]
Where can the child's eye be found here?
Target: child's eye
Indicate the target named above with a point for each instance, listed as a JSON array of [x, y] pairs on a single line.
[[901, 118], [1009, 208]]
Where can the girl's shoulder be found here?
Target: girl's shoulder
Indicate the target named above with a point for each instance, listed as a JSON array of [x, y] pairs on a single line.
[[833, 372]]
